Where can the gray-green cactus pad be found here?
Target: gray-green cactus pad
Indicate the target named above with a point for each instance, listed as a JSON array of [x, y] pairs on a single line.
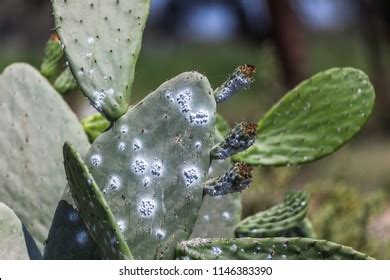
[[102, 40], [278, 220], [35, 123], [280, 248], [153, 162], [314, 119], [12, 242], [93, 207]]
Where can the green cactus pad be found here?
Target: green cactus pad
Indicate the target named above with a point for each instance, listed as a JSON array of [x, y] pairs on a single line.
[[65, 82], [313, 120], [153, 162], [12, 242], [94, 125], [53, 59], [278, 220], [93, 207], [280, 248], [102, 40], [35, 122]]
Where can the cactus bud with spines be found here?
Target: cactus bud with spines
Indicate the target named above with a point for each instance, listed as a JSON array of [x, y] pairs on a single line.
[[53, 57], [237, 179], [240, 79], [242, 136]]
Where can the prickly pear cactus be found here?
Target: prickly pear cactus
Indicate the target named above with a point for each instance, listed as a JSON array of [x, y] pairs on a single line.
[[14, 244], [93, 208], [313, 120], [218, 216], [152, 163], [295, 248], [102, 41], [34, 124], [278, 220]]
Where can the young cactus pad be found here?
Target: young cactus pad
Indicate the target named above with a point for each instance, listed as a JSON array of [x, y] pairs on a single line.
[[65, 82], [278, 220], [102, 40], [93, 207], [35, 123], [313, 120], [53, 59], [94, 125], [152, 163], [281, 248], [13, 242]]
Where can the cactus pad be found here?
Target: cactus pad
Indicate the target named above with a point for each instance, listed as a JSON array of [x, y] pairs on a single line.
[[13, 245], [313, 120], [102, 40], [152, 163], [93, 207], [35, 123], [281, 248], [278, 220]]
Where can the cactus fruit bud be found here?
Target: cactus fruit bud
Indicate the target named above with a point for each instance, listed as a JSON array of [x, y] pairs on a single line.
[[54, 54], [65, 82], [236, 179], [241, 78], [241, 137]]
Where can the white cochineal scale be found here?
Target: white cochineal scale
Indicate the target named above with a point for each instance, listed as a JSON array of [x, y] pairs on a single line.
[[148, 169]]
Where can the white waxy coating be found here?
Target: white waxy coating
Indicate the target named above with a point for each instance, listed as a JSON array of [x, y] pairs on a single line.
[[191, 175], [147, 207], [96, 160]]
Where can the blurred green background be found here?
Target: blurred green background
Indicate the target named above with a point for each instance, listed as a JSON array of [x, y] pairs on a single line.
[[288, 41]]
